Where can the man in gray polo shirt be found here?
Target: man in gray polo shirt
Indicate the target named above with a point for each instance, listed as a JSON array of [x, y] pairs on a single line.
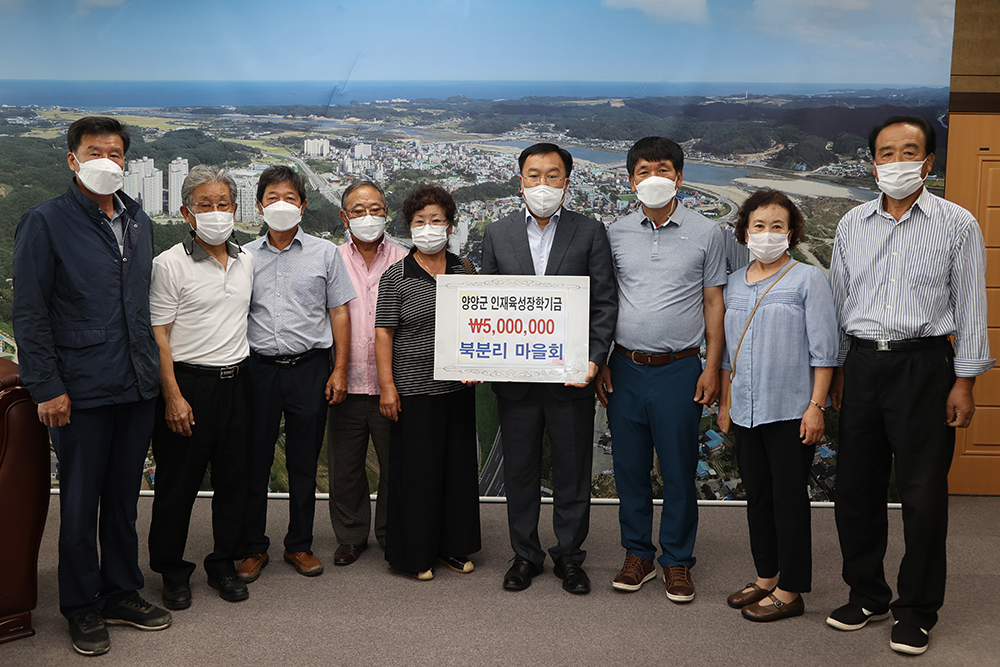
[[670, 265]]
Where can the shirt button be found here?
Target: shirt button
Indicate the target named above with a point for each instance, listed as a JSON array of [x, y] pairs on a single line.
[[888, 307], [124, 259], [893, 253]]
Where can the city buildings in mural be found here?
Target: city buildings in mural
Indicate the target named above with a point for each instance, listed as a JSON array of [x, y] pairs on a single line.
[[811, 146]]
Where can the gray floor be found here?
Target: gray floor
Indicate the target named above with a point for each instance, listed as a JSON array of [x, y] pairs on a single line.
[[366, 614]]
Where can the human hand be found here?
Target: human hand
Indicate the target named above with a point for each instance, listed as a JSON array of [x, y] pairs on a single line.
[[388, 403], [55, 411], [837, 388], [960, 405], [812, 426], [180, 416], [591, 374], [604, 387], [706, 391], [336, 387]]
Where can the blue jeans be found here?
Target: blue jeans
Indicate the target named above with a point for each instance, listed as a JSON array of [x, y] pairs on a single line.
[[653, 408]]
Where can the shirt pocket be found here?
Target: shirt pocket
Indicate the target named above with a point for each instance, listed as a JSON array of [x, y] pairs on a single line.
[[928, 267]]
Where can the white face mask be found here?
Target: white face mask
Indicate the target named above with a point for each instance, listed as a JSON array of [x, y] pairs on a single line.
[[101, 176], [899, 180], [656, 191], [767, 247], [543, 200], [282, 216], [430, 239], [214, 227], [367, 228]]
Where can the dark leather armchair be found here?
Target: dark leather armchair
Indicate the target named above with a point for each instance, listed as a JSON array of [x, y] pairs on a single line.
[[24, 502]]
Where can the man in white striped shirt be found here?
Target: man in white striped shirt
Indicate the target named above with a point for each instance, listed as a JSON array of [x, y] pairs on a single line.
[[908, 270]]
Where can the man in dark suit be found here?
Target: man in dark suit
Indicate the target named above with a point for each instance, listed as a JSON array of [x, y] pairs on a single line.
[[546, 239]]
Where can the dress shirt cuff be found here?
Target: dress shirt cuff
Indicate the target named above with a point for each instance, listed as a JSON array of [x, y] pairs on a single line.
[[827, 363], [842, 356], [969, 368]]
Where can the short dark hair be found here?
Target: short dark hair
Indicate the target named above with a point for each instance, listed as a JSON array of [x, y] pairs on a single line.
[[655, 149], [97, 125], [425, 195], [545, 149], [766, 197], [281, 173], [357, 185], [930, 135]]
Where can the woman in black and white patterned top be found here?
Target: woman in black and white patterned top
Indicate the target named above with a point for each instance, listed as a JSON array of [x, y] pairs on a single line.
[[433, 510]]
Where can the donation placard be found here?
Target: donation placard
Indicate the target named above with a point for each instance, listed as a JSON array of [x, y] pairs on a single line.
[[512, 328]]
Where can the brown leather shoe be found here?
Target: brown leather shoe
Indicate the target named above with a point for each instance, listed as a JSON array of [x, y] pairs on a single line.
[[680, 586], [348, 553], [634, 573], [774, 612], [743, 597], [304, 561], [250, 567]]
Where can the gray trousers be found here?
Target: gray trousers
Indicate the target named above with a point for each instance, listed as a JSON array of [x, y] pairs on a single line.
[[349, 426]]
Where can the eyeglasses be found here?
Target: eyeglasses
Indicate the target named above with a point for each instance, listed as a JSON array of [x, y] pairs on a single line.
[[377, 211], [437, 222], [206, 206], [552, 180]]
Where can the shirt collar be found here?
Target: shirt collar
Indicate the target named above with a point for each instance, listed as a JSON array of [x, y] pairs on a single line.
[[197, 253], [528, 218], [354, 246], [676, 217], [299, 235], [923, 202]]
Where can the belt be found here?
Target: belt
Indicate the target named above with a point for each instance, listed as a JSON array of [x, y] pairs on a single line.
[[221, 372], [655, 358], [290, 360], [905, 345]]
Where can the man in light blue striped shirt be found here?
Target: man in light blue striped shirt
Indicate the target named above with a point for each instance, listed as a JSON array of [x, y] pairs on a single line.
[[908, 270]]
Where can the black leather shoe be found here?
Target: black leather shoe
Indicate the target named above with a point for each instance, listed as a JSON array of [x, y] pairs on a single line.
[[177, 597], [231, 588], [575, 580], [519, 575], [348, 553]]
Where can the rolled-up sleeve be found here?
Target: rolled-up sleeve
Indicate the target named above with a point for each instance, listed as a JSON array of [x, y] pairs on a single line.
[[839, 279], [968, 301], [821, 321]]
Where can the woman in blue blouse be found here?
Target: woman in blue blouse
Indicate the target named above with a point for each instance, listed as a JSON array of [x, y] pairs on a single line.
[[782, 374]]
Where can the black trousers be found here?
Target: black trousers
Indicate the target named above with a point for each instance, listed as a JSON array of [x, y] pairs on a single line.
[[433, 484], [894, 409], [774, 465], [351, 424], [570, 425], [298, 393], [218, 441], [101, 453]]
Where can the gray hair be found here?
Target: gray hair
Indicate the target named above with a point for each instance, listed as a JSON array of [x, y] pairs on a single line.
[[357, 185], [204, 174]]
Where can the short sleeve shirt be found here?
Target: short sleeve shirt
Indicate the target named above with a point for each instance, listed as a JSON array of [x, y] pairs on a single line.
[[661, 273], [206, 303], [293, 290], [406, 303]]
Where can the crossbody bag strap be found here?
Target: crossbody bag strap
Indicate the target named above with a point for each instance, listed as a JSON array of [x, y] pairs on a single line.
[[747, 326]]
